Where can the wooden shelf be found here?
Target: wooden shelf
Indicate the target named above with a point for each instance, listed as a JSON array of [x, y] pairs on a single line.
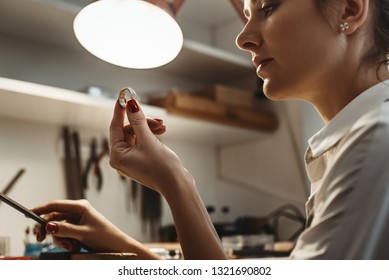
[[211, 109], [26, 101]]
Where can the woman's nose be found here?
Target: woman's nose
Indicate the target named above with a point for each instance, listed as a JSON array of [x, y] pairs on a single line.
[[247, 39]]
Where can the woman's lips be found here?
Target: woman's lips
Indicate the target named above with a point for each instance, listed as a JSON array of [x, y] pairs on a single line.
[[261, 64]]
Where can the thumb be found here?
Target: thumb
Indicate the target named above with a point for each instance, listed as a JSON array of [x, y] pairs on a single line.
[[137, 119]]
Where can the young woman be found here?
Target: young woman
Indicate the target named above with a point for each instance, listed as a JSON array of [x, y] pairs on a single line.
[[332, 53]]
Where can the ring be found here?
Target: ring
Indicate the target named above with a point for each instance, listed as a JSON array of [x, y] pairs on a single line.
[[122, 96]]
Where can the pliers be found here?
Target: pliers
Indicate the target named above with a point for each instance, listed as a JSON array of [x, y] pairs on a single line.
[[97, 169], [91, 161]]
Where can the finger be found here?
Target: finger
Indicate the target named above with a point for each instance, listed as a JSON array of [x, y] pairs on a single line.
[[65, 230], [160, 131], [70, 207], [40, 233], [117, 122], [67, 244], [129, 133], [138, 121], [56, 216], [129, 137], [157, 126], [154, 123], [128, 130]]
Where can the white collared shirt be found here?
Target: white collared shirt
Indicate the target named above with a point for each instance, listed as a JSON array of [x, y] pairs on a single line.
[[347, 162]]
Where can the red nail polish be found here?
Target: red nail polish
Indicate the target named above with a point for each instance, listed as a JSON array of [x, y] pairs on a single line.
[[52, 228], [132, 105]]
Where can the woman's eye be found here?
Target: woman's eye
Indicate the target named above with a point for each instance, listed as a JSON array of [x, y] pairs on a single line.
[[268, 9]]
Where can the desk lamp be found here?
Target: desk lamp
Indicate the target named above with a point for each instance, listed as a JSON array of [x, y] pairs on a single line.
[[138, 34]]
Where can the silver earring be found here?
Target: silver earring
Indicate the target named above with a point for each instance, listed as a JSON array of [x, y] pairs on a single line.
[[344, 26]]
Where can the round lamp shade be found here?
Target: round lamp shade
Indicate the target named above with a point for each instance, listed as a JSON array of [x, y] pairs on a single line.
[[129, 33]]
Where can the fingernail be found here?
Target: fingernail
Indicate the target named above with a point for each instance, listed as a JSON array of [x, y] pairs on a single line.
[[132, 105], [52, 228], [158, 120]]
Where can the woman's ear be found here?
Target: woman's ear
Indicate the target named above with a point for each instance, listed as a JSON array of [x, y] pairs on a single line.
[[354, 15]]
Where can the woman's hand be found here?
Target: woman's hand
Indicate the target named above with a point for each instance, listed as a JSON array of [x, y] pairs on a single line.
[[80, 221], [137, 153]]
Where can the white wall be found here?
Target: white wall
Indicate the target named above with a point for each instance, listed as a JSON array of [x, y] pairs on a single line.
[[37, 148], [273, 165]]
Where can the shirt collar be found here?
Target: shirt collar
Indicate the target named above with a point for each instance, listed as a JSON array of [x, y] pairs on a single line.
[[337, 128]]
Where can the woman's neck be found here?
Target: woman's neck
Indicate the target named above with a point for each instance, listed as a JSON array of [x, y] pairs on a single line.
[[344, 88]]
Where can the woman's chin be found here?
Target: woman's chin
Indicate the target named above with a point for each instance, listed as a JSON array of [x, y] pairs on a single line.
[[274, 94], [277, 92]]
